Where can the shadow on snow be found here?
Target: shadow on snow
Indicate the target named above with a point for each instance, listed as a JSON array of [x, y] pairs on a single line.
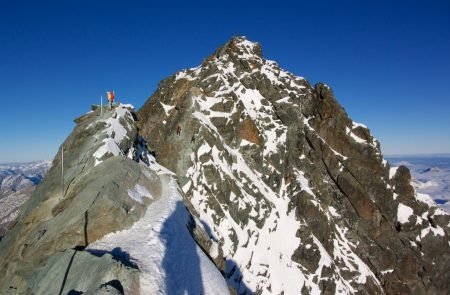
[[181, 261], [234, 277]]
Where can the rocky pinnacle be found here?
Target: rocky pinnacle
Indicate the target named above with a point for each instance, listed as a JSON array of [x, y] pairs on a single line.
[[296, 195]]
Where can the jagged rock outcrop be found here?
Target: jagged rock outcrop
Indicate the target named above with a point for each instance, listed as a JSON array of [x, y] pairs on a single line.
[[295, 194], [112, 187]]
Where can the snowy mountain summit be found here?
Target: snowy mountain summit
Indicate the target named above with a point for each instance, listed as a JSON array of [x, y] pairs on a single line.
[[296, 195], [235, 176]]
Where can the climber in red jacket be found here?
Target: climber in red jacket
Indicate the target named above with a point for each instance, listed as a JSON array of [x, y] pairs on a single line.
[[110, 95]]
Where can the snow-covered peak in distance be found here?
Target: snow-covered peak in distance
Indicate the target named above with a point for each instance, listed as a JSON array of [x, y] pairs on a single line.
[[17, 182], [26, 168]]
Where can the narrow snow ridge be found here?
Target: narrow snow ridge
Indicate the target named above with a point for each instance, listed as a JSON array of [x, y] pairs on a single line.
[[160, 244]]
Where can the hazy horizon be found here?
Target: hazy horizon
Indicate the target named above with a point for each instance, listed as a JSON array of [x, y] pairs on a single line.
[[438, 155]]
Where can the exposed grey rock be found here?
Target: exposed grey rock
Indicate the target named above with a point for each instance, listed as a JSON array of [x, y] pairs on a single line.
[[59, 243], [81, 271], [95, 202], [258, 144]]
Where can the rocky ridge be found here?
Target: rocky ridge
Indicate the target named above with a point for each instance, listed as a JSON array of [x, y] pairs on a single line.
[[295, 194], [59, 242]]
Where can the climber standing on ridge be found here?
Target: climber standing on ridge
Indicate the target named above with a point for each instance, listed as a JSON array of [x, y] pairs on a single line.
[[110, 95], [178, 130]]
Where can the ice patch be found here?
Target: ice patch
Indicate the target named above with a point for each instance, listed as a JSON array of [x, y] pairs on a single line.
[[167, 108], [354, 136], [127, 105], [109, 146], [392, 172], [138, 193], [356, 125], [184, 75], [333, 211], [437, 231], [404, 213]]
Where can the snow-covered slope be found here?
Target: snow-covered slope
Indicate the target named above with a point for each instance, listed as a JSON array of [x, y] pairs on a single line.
[[297, 196]]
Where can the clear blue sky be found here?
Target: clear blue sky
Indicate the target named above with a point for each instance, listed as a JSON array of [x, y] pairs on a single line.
[[387, 61]]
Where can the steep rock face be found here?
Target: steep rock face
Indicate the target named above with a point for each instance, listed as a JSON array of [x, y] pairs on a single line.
[[294, 194], [59, 242]]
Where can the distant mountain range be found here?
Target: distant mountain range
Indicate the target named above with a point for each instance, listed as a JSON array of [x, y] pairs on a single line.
[[17, 182]]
